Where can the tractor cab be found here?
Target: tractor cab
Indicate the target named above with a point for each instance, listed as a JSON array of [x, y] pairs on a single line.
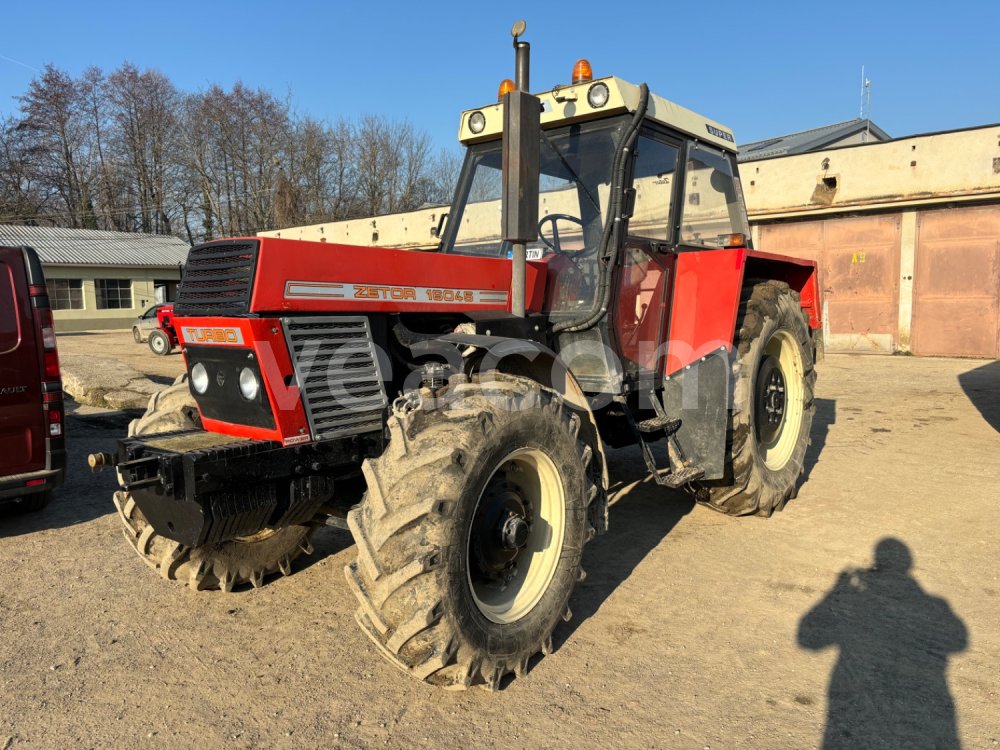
[[626, 181]]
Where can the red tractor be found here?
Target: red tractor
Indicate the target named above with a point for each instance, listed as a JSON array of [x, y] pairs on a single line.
[[595, 285], [156, 325]]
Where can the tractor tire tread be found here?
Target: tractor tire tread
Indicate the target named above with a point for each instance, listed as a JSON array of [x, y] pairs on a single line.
[[401, 540], [749, 491], [212, 566]]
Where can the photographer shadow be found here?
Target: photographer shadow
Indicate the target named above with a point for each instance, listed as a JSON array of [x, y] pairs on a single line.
[[889, 687]]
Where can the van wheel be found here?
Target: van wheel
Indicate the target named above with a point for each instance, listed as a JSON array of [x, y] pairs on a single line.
[[136, 335], [159, 342], [35, 502]]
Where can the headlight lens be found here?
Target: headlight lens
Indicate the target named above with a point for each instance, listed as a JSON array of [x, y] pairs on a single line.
[[199, 378], [249, 385], [477, 122], [598, 95]]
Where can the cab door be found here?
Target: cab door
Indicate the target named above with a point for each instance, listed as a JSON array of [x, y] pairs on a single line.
[[645, 271], [22, 419]]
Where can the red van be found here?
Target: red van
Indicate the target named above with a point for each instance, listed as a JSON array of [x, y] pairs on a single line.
[[32, 446]]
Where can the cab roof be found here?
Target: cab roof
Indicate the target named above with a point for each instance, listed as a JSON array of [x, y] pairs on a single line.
[[568, 104]]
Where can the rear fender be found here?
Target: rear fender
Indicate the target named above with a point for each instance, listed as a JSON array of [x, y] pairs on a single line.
[[539, 363], [801, 275]]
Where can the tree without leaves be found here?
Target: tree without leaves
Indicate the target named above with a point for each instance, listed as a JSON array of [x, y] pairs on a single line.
[[128, 151]]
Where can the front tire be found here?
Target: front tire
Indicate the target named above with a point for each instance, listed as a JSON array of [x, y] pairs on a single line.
[[136, 335], [773, 377], [159, 343], [470, 536], [211, 566]]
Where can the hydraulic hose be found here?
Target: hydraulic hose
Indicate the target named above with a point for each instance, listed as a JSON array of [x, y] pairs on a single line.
[[608, 252]]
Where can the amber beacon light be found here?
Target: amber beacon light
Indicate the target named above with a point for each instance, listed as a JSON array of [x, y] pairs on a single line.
[[582, 72], [506, 86]]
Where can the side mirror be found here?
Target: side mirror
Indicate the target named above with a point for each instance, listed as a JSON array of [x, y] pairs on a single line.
[[521, 134]]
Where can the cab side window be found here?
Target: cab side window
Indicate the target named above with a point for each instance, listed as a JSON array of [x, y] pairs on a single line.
[[653, 180], [713, 199]]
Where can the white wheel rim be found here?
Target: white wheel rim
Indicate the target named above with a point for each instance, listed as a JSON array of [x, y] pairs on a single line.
[[784, 348], [536, 476], [158, 343]]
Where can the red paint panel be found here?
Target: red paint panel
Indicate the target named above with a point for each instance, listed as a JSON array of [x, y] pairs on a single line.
[[298, 276], [266, 338], [705, 299]]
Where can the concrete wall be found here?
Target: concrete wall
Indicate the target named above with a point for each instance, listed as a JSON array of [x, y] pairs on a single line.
[[927, 169], [90, 318]]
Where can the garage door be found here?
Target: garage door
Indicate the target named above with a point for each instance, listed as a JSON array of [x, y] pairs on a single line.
[[858, 258], [956, 285]]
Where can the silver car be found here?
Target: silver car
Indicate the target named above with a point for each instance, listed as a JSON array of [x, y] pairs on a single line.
[[145, 323]]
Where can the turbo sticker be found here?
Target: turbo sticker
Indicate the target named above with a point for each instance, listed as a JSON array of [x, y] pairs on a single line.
[[204, 335]]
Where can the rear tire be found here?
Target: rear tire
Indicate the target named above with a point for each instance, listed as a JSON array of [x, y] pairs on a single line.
[[211, 566], [773, 381], [159, 343], [445, 593]]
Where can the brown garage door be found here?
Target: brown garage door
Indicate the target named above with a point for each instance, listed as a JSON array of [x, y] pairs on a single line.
[[858, 259], [956, 285]]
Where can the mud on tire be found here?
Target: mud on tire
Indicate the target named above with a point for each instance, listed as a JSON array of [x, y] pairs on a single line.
[[757, 482], [413, 576], [211, 566]]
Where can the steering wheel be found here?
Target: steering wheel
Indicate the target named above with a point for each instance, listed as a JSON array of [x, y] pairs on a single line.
[[553, 218]]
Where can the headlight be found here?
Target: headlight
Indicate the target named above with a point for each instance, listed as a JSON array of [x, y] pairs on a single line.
[[598, 95], [249, 385], [199, 378], [477, 122]]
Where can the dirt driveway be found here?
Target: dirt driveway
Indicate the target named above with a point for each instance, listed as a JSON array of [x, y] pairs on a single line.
[[692, 630], [119, 344]]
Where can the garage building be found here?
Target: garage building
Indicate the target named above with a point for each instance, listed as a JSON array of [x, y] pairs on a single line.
[[99, 280], [906, 234]]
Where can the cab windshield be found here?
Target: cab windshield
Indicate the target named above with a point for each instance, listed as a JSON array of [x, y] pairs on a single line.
[[574, 189]]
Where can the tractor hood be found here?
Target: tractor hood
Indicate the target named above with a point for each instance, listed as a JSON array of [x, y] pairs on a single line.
[[261, 275]]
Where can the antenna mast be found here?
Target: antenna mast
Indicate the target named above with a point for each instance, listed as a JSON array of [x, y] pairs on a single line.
[[866, 98]]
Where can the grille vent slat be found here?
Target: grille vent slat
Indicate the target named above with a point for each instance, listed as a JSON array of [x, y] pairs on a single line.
[[218, 279], [338, 372]]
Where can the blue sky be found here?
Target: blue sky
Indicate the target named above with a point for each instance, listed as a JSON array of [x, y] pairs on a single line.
[[763, 68]]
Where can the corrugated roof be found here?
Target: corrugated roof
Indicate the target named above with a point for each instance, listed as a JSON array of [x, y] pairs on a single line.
[[808, 140], [90, 247]]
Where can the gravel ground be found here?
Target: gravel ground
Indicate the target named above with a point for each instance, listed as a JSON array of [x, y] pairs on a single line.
[[119, 344], [693, 630]]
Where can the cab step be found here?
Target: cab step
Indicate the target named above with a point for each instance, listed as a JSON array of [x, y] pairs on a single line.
[[668, 425], [677, 479], [678, 471]]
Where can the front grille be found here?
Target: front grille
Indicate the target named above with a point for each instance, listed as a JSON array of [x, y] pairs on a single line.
[[218, 278], [338, 372]]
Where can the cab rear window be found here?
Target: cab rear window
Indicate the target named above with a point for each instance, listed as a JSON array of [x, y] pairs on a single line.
[[10, 334]]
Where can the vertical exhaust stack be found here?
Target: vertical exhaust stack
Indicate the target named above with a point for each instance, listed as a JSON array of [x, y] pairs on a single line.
[[521, 133]]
